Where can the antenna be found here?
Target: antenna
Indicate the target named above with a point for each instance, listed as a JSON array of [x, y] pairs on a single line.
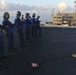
[[52, 10], [75, 6]]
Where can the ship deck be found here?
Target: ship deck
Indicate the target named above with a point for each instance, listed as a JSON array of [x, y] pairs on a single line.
[[52, 51]]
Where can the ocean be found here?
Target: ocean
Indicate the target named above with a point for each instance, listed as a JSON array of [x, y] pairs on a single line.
[[43, 19]]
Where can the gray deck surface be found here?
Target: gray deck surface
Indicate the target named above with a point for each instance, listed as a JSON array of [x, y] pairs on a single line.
[[52, 51]]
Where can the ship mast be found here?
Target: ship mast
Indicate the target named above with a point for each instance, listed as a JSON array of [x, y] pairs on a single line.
[[52, 10], [75, 6]]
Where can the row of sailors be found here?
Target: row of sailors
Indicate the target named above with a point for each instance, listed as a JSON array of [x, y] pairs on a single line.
[[28, 23]]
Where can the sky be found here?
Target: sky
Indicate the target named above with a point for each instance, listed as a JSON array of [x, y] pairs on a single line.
[[44, 8], [41, 2]]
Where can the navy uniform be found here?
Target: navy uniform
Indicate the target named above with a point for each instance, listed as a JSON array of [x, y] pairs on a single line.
[[1, 43], [27, 23], [9, 31], [38, 28], [2, 56], [22, 18], [33, 20], [18, 25]]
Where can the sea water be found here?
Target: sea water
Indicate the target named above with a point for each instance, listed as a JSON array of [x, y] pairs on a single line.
[[43, 19]]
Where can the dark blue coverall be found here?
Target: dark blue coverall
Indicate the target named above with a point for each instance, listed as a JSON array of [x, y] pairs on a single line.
[[38, 28], [18, 26], [1, 43], [33, 26], [27, 25], [9, 33]]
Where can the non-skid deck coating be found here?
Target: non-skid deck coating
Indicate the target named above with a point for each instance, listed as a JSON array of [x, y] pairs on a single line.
[[52, 51]]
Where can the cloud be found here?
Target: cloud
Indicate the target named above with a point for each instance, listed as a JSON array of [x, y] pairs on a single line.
[[4, 6], [44, 11], [63, 7], [24, 8], [14, 6]]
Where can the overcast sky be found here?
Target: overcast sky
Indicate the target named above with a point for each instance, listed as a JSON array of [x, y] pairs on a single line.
[[40, 2], [40, 7]]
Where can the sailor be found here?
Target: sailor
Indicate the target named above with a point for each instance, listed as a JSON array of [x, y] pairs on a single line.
[[38, 30], [1, 46], [27, 23], [18, 25], [33, 26], [9, 32], [22, 18]]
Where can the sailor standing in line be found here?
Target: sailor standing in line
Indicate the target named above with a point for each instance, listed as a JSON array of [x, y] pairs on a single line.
[[38, 28], [22, 18], [1, 47], [33, 25], [9, 32], [18, 25], [27, 23]]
